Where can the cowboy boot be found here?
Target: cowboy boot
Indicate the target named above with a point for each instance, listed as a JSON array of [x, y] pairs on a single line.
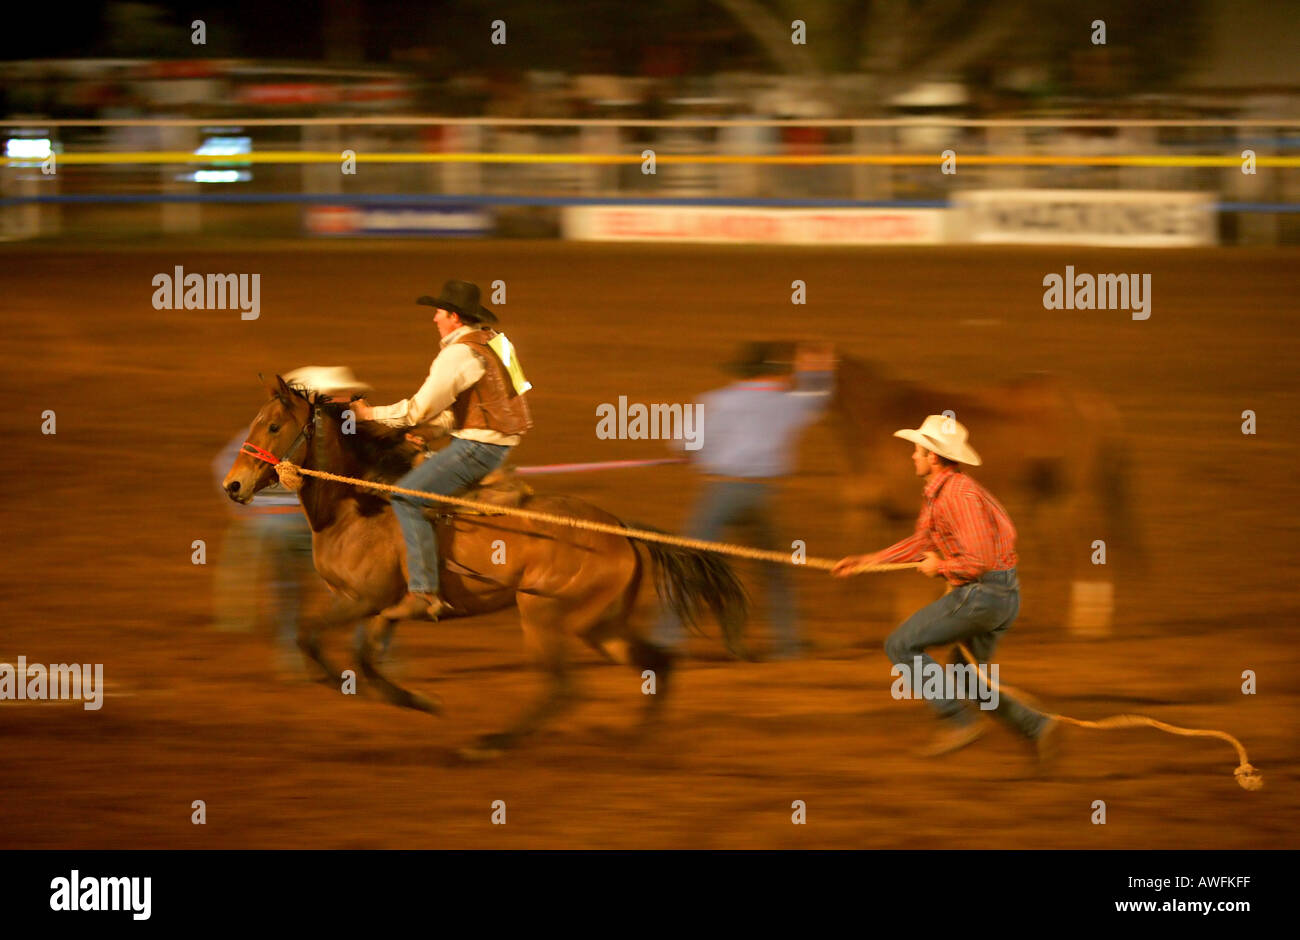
[[416, 605], [952, 738], [1047, 744]]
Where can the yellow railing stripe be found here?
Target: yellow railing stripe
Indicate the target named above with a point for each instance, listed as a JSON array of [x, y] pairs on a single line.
[[304, 157]]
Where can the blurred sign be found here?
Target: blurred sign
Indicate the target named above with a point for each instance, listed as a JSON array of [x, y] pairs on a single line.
[[1081, 217], [181, 68], [754, 226], [288, 93], [31, 150], [441, 221], [387, 93], [222, 171]]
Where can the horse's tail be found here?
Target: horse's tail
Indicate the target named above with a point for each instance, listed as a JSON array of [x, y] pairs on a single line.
[[689, 581], [1114, 476]]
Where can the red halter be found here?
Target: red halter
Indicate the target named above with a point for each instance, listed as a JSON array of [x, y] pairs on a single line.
[[304, 434], [253, 450]]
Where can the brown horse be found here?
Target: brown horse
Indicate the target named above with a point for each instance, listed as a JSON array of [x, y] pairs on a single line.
[[565, 581], [1054, 453]]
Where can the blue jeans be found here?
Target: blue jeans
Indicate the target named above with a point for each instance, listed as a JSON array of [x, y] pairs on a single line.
[[977, 613], [746, 504], [459, 465]]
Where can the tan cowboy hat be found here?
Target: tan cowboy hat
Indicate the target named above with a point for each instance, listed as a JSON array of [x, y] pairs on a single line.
[[945, 436], [335, 381]]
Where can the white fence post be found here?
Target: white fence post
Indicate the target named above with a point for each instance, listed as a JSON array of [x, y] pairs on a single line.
[[323, 177], [464, 178], [21, 221], [179, 217]]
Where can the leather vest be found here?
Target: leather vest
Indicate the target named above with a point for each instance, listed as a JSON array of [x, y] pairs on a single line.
[[491, 402]]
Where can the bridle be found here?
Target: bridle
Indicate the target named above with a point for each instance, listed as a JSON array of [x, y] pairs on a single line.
[[305, 434]]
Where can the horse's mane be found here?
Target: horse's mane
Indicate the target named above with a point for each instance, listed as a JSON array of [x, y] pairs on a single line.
[[383, 452]]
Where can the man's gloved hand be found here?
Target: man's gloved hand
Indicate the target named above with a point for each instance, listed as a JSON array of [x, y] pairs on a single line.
[[423, 435]]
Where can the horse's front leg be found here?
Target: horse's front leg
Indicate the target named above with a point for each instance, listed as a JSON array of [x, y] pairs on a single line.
[[372, 641], [343, 611]]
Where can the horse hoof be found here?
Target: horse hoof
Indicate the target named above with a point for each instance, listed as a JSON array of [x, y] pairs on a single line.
[[426, 703], [488, 747], [473, 754]]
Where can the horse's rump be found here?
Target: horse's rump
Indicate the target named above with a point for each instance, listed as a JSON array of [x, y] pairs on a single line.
[[1054, 452], [1039, 435]]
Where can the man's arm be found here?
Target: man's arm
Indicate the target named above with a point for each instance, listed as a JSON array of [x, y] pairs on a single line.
[[912, 548], [455, 369]]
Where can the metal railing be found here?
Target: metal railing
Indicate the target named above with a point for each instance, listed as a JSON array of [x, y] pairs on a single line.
[[504, 161]]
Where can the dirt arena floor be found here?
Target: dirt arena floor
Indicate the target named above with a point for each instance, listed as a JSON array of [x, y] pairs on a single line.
[[99, 518]]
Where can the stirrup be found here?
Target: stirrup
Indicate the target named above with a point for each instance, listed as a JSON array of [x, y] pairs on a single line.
[[440, 608], [410, 607]]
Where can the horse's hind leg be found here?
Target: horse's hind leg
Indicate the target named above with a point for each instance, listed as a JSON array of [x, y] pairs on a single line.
[[615, 639], [543, 623], [371, 641]]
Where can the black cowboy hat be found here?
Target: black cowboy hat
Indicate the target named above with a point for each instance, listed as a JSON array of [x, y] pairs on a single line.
[[461, 298], [762, 358]]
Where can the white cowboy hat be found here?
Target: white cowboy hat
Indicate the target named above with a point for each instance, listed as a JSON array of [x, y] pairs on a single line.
[[945, 436], [328, 380]]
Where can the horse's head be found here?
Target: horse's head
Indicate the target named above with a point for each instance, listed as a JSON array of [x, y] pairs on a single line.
[[282, 428]]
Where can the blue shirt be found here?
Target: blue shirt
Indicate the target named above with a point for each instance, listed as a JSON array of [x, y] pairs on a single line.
[[750, 428]]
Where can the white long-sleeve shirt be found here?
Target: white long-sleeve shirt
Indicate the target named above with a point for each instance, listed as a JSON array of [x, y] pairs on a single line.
[[453, 370]]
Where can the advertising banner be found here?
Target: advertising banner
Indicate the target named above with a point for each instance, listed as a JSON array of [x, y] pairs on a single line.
[[718, 225], [441, 221], [1082, 217]]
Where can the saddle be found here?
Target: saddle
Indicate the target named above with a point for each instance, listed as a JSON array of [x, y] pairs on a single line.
[[501, 487]]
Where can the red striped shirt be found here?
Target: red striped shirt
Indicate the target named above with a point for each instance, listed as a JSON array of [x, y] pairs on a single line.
[[963, 523]]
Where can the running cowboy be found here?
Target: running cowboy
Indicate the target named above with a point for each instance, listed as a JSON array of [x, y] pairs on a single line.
[[470, 392], [962, 521]]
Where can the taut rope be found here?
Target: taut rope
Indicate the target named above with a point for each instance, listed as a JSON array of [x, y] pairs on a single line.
[[291, 476]]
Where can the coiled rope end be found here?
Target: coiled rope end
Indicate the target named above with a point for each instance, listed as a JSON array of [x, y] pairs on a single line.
[[1249, 777]]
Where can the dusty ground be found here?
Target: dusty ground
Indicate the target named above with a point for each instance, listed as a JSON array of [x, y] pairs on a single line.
[[99, 519]]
